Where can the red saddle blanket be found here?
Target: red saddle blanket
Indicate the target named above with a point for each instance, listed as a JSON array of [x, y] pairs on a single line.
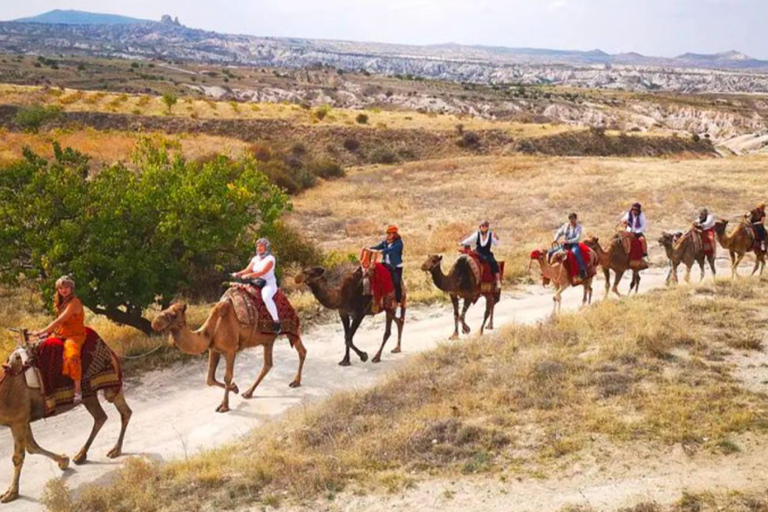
[[381, 282], [251, 310], [708, 241], [636, 249], [572, 265], [101, 370]]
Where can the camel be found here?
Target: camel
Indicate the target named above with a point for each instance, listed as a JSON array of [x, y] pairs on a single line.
[[738, 243], [557, 274], [616, 259], [681, 248], [222, 333], [348, 299], [21, 405], [461, 283]]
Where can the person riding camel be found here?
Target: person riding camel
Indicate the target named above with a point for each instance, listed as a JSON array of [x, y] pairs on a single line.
[[636, 223], [757, 219], [484, 240], [392, 251], [571, 233], [261, 270], [70, 326], [705, 223]]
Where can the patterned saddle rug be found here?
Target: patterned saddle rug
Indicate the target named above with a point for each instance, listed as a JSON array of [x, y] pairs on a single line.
[[251, 310], [101, 370]]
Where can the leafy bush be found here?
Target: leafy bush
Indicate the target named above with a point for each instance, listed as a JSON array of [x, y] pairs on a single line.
[[362, 118], [170, 100], [351, 145], [383, 156], [31, 119], [469, 140], [326, 169], [131, 237], [321, 112]]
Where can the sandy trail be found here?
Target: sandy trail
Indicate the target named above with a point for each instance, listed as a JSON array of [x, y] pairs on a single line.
[[174, 410]]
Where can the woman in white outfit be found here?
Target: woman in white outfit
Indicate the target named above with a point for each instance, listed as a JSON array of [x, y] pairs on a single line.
[[262, 270]]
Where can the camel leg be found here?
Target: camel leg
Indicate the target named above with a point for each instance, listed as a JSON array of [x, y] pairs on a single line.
[[711, 260], [345, 323], [607, 275], [736, 264], [213, 364], [757, 264], [356, 321], [387, 334], [230, 359], [464, 327], [33, 448], [493, 308], [490, 302], [266, 366], [635, 281], [589, 301], [18, 461], [688, 274], [302, 350], [618, 274], [400, 323], [455, 302], [99, 418], [118, 400]]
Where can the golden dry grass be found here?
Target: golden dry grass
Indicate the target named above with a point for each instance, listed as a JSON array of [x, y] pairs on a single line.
[[437, 203], [71, 100], [111, 146], [531, 401]]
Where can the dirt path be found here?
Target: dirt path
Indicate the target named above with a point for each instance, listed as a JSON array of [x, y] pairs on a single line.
[[174, 410]]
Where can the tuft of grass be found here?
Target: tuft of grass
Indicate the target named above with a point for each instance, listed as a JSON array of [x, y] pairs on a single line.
[[474, 407]]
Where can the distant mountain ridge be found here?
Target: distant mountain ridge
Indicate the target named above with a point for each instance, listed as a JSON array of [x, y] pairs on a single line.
[[169, 40], [73, 17]]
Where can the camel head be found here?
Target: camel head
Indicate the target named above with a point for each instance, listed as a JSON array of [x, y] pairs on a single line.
[[310, 275], [667, 239], [592, 242], [173, 317], [431, 262], [720, 226]]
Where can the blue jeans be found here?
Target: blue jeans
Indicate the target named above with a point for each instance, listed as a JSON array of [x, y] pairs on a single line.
[[576, 250]]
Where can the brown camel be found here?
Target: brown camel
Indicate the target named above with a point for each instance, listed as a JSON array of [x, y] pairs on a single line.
[[738, 243], [616, 259], [222, 333], [20, 405], [353, 305], [461, 283], [682, 248], [557, 274]]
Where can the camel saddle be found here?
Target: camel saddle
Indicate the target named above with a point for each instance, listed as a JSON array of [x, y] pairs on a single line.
[[572, 265], [44, 361], [633, 247], [377, 282], [250, 309], [482, 271]]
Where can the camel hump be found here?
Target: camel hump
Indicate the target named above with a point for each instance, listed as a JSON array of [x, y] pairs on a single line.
[[222, 308], [468, 272]]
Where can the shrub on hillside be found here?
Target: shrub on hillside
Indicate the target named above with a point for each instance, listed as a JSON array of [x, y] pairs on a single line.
[[32, 118], [383, 156], [469, 140], [351, 145], [132, 238], [362, 118], [326, 169]]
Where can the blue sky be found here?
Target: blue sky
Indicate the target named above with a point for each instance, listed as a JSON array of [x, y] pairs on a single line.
[[651, 27]]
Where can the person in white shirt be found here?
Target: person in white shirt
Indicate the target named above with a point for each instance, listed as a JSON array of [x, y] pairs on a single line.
[[636, 223], [483, 240], [706, 225], [262, 269], [571, 233]]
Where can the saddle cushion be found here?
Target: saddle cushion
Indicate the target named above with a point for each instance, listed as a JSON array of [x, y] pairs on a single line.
[[572, 265], [101, 370], [487, 279], [250, 309]]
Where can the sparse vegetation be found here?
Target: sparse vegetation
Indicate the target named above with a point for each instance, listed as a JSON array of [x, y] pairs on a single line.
[[361, 118], [170, 100], [32, 118], [535, 388]]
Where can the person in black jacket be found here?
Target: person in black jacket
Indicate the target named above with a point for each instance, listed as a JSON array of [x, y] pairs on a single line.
[[392, 252]]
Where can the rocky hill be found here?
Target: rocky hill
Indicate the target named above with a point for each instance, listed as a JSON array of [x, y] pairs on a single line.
[[689, 73]]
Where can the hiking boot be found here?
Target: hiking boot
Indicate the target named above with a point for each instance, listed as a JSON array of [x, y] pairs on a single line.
[[276, 327]]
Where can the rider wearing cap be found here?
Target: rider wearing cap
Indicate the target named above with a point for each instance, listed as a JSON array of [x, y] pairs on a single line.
[[636, 223], [262, 266], [484, 240], [705, 223], [392, 251], [571, 233], [757, 219]]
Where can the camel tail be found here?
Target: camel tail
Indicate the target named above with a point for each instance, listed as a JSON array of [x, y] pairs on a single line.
[[466, 276]]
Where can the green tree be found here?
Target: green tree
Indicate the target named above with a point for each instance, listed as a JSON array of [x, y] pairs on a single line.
[[132, 237], [170, 100]]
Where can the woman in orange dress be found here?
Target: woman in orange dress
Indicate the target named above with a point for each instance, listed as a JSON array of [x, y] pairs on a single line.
[[70, 326]]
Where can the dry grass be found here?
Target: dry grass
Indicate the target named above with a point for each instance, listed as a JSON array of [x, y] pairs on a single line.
[[436, 203], [84, 101], [111, 146], [531, 401]]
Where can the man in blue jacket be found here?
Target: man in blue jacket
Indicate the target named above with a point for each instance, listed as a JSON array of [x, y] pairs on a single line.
[[392, 252]]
